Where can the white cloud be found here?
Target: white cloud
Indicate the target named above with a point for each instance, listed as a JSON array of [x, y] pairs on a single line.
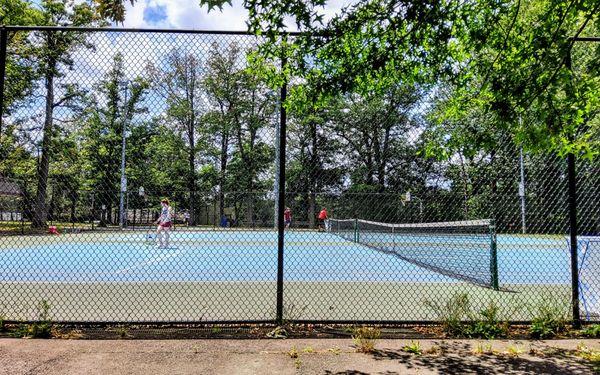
[[135, 14], [187, 14]]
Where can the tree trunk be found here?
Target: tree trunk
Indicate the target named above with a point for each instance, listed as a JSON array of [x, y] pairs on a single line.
[[40, 212], [192, 179], [465, 187], [223, 169], [312, 183], [192, 157], [493, 185]]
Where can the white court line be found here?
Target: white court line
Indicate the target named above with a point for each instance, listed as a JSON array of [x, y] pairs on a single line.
[[151, 261]]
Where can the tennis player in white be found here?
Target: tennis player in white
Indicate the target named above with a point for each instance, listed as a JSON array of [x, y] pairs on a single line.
[[164, 222]]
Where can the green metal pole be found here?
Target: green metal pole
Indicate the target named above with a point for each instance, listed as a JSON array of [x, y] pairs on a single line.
[[494, 256]]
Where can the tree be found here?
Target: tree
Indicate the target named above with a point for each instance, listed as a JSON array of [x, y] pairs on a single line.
[[312, 166], [179, 82], [242, 106], [252, 152], [53, 52], [20, 73], [222, 84], [487, 48], [103, 127]]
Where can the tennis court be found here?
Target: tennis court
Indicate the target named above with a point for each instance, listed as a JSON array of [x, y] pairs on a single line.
[[231, 274]]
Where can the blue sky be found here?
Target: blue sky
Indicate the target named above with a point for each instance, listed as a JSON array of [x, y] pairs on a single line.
[[187, 14]]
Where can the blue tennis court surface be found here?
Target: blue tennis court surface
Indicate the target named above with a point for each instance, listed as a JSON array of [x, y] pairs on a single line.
[[252, 256]]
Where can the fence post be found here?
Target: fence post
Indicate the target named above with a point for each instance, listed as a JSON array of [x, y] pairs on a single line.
[[572, 186], [281, 192], [3, 42]]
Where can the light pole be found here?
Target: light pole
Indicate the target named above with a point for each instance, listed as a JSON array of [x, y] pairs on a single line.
[[522, 186], [277, 170], [123, 177], [408, 197], [522, 193]]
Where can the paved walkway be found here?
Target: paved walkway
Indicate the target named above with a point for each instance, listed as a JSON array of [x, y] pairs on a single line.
[[314, 356]]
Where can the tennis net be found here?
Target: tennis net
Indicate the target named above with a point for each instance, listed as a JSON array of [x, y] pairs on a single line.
[[465, 250]]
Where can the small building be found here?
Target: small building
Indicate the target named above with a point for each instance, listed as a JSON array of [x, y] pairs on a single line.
[[10, 194]]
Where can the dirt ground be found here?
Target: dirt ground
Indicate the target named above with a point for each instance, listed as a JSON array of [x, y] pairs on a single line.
[[295, 356]]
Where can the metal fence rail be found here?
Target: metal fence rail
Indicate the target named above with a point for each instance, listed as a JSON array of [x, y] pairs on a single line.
[[329, 213]]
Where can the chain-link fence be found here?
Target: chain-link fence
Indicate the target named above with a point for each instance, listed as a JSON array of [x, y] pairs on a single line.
[[112, 123]]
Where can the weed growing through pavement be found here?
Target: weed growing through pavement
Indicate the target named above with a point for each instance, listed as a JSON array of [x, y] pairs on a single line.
[[365, 338], [589, 354], [482, 349], [414, 348], [592, 331], [335, 350], [122, 332], [293, 353], [514, 350]]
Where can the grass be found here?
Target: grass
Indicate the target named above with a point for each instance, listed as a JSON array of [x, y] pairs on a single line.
[[17, 226]]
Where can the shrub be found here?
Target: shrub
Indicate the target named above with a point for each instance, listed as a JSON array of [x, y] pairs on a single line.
[[41, 328], [452, 313], [487, 325], [549, 318]]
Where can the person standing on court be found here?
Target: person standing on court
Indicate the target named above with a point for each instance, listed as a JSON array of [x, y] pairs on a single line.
[[323, 219], [287, 217], [164, 222]]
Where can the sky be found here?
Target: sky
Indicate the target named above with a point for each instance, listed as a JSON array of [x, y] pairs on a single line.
[[187, 14]]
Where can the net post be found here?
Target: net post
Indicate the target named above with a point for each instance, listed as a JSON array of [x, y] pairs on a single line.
[[393, 238], [356, 238], [494, 255]]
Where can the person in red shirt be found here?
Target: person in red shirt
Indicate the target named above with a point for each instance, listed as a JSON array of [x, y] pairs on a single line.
[[322, 222], [287, 217]]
